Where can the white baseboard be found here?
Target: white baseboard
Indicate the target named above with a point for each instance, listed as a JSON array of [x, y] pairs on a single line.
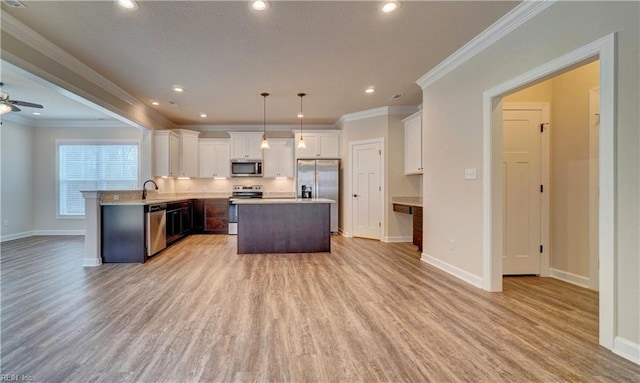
[[11, 237], [26, 234], [453, 270], [627, 349], [91, 262], [568, 277], [58, 232], [397, 238]]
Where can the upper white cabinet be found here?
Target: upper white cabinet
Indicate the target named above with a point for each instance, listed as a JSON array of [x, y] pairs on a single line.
[[176, 153], [324, 144], [413, 144], [278, 159], [167, 153], [246, 145], [188, 153], [214, 157]]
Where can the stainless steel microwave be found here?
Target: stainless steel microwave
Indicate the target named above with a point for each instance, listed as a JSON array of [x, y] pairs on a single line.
[[246, 168]]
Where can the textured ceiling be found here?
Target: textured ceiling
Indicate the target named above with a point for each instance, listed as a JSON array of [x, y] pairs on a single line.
[[224, 54]]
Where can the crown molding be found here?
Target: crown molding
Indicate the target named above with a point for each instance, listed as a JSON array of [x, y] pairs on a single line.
[[377, 112], [65, 123], [18, 119], [23, 33], [250, 128], [519, 15]]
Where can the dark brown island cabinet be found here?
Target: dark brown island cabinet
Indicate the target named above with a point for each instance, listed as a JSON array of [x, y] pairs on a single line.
[[284, 227]]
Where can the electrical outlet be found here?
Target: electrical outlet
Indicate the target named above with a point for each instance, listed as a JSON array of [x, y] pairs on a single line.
[[452, 245], [470, 174]]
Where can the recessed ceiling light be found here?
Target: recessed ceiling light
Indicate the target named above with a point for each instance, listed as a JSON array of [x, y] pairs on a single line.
[[203, 115], [36, 113], [155, 103], [370, 90], [300, 115], [129, 5], [390, 6], [177, 88], [260, 5]]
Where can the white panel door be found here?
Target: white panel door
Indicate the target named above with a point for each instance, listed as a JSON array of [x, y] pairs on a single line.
[[521, 188], [367, 194]]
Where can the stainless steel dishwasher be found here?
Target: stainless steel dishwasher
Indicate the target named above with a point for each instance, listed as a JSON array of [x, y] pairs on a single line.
[[156, 217]]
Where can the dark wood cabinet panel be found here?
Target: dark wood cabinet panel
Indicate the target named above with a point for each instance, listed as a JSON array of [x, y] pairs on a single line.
[[123, 228], [417, 227], [178, 220], [210, 216], [402, 208]]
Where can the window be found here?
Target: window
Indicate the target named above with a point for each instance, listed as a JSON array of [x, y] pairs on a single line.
[[97, 165]]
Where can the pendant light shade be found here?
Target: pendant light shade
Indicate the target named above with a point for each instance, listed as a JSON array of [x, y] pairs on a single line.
[[265, 143], [301, 143]]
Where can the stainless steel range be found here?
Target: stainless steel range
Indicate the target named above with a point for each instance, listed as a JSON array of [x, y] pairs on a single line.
[[240, 192]]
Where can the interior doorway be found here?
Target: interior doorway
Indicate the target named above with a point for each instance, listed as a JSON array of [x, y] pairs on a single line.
[[565, 227], [366, 185], [604, 51]]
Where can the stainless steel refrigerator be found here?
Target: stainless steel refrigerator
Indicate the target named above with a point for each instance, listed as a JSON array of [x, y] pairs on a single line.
[[322, 176]]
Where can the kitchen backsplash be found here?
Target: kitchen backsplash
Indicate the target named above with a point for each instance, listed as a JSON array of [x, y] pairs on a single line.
[[270, 186]]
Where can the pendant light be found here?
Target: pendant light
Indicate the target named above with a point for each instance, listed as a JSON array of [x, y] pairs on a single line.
[[301, 144], [265, 143]]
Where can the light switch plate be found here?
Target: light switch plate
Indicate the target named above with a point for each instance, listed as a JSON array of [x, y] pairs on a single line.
[[470, 174]]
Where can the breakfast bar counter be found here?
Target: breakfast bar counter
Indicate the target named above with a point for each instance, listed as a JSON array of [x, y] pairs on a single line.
[[284, 225]]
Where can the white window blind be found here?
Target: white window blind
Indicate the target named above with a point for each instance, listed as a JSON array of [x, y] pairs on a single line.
[[95, 166]]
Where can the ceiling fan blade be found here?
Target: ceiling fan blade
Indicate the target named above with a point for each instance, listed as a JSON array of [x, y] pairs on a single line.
[[14, 108], [28, 104]]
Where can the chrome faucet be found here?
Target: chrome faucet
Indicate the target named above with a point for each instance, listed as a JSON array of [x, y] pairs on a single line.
[[144, 188]]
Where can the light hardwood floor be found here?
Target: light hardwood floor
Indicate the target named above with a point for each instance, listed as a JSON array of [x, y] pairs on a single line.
[[367, 312]]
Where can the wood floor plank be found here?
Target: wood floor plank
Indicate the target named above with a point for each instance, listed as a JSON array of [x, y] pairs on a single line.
[[366, 312]]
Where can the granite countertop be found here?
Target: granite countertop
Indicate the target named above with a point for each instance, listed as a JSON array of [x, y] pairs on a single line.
[[408, 201], [267, 201], [128, 199]]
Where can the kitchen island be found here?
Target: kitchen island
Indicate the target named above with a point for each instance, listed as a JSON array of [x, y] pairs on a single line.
[[284, 225]]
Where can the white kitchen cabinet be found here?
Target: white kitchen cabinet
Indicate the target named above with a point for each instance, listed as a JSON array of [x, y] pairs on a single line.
[[279, 159], [246, 145], [176, 153], [325, 144], [167, 153], [188, 153], [413, 144], [214, 157]]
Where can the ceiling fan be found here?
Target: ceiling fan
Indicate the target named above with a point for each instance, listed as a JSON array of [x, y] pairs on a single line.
[[8, 105]]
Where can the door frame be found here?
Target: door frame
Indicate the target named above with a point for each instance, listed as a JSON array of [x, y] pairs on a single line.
[[594, 158], [545, 176], [604, 50], [383, 215]]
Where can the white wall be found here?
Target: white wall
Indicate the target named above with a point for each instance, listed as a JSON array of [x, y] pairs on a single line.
[[570, 169], [453, 125], [44, 165], [17, 180]]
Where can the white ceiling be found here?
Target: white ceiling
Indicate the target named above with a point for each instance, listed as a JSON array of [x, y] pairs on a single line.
[[225, 54]]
